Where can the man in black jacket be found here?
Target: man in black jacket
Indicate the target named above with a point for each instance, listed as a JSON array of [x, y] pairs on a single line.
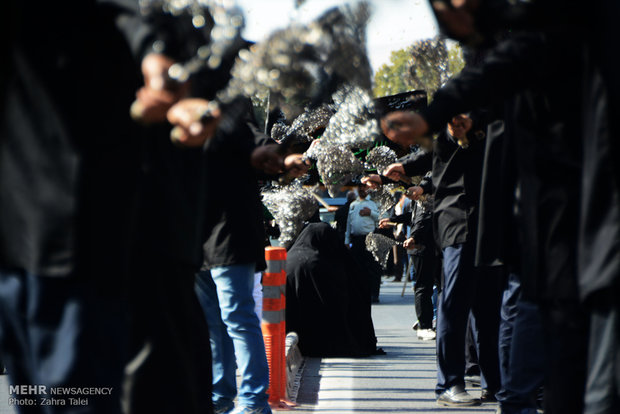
[[456, 163], [68, 178], [420, 244], [547, 129], [233, 251]]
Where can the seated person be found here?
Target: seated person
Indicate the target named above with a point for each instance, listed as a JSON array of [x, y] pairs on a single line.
[[325, 303]]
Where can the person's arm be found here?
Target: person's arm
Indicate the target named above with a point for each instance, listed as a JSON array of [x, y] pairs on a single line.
[[422, 229], [523, 60], [518, 62], [400, 218], [417, 164], [427, 184]]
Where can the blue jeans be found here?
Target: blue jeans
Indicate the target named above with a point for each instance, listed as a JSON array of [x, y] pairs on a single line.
[[452, 313], [459, 295], [225, 294], [521, 350], [63, 332]]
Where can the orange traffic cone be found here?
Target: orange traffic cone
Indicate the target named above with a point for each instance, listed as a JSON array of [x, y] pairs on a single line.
[[274, 325]]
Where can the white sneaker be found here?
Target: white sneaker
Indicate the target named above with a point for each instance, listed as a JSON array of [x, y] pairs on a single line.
[[426, 334]]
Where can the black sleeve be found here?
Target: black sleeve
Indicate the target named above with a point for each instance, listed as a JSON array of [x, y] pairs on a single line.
[[401, 218], [139, 34], [239, 134], [427, 184], [519, 61], [175, 37], [417, 164], [422, 230], [237, 130], [386, 180]]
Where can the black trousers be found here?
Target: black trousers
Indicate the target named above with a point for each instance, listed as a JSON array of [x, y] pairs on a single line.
[[427, 267], [63, 332], [565, 326], [603, 383], [463, 290], [169, 336]]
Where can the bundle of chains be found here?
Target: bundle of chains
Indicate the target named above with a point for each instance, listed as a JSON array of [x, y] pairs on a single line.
[[221, 37], [380, 246], [304, 128], [383, 197], [380, 158], [336, 164], [305, 64], [353, 126], [290, 206]]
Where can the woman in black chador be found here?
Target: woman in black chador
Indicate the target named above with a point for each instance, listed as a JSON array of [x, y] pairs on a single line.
[[326, 303]]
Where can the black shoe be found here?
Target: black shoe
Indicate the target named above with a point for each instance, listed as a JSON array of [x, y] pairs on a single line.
[[456, 396], [487, 396]]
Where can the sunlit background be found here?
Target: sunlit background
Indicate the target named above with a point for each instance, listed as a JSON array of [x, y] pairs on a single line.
[[394, 24]]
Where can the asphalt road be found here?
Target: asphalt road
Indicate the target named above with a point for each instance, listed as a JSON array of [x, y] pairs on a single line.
[[402, 381]]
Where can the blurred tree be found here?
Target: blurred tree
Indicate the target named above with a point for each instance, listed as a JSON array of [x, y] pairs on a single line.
[[393, 78], [427, 64]]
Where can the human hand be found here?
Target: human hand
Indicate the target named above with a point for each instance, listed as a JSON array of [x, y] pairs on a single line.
[[268, 158], [394, 171], [159, 92], [365, 212], [385, 223], [409, 243], [295, 165], [459, 126], [404, 127], [457, 21], [415, 192], [372, 181], [191, 129], [314, 143]]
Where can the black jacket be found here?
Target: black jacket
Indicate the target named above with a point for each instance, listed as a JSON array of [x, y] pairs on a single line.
[[82, 186], [456, 186], [68, 149], [234, 227], [599, 233], [546, 129]]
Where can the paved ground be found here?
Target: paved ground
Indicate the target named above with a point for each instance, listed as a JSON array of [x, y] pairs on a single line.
[[402, 381], [4, 396]]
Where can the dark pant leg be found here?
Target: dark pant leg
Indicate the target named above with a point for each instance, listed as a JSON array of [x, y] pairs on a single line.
[[603, 384], [521, 351], [526, 360], [63, 332], [486, 313], [566, 341], [170, 339], [452, 313], [424, 265], [471, 350], [508, 315]]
